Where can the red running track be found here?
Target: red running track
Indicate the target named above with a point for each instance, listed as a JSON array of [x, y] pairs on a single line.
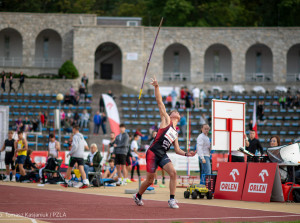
[[61, 206]]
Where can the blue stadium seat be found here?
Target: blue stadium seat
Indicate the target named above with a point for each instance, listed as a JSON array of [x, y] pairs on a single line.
[[247, 97], [267, 110], [150, 109], [26, 101], [124, 95], [23, 113], [19, 94], [88, 108], [125, 109], [144, 131], [127, 122], [135, 122], [157, 116], [286, 124], [89, 96], [30, 136], [262, 140], [253, 97], [125, 102], [282, 110], [41, 95], [295, 117], [278, 124], [47, 95], [195, 131], [152, 123], [143, 123], [288, 140], [279, 117], [132, 102], [16, 106], [261, 97], [274, 110], [282, 132], [33, 101], [45, 107], [267, 103], [271, 117], [265, 132], [287, 118], [132, 95], [291, 132], [86, 129], [126, 116], [156, 109], [150, 116], [19, 100], [269, 97], [141, 109], [143, 116], [147, 102], [33, 94], [12, 100], [274, 132], [295, 124]]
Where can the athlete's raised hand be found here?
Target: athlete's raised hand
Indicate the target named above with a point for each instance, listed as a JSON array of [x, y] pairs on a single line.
[[154, 81], [191, 153]]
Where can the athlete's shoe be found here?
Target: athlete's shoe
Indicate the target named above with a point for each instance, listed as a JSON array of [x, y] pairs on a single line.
[[137, 201], [128, 181], [163, 180], [155, 182], [84, 186], [13, 179], [173, 203], [6, 179], [133, 180], [64, 185]]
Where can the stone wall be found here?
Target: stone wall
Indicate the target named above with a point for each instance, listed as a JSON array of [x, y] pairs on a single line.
[[81, 36]]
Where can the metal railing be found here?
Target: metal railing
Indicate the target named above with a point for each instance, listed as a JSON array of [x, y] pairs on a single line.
[[217, 77], [51, 62], [259, 77], [293, 77], [176, 76], [11, 61]]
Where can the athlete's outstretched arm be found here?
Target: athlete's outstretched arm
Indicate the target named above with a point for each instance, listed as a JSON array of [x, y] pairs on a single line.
[[180, 151], [162, 109]]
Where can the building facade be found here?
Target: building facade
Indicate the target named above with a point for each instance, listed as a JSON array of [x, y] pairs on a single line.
[[39, 43]]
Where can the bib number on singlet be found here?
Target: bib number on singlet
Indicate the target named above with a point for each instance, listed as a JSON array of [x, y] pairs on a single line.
[[170, 136], [8, 148]]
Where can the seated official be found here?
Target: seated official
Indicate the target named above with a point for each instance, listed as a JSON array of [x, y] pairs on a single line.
[[93, 160]]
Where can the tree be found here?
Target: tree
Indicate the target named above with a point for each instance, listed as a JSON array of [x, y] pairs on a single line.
[[68, 70]]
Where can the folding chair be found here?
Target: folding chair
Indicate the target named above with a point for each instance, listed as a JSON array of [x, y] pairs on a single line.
[[97, 175]]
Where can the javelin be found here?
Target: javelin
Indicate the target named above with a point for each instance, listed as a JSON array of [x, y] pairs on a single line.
[[161, 21]]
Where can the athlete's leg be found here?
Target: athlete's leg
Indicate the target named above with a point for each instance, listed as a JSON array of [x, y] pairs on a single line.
[[147, 182], [7, 170], [81, 170], [169, 168]]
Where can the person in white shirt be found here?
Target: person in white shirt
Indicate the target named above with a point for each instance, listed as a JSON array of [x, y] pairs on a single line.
[[84, 119], [203, 151], [53, 147], [202, 97], [135, 156], [196, 96], [77, 156]]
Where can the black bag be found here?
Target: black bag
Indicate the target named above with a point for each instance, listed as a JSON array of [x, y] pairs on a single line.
[[97, 182], [296, 195], [51, 164]]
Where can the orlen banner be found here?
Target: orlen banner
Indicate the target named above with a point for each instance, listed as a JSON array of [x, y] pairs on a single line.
[[112, 113], [259, 182], [230, 181]]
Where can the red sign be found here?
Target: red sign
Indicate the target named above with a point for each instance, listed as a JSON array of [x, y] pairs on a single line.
[[218, 158], [40, 157], [230, 181], [259, 182]]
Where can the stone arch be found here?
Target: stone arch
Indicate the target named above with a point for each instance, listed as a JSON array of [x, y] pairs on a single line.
[[217, 63], [293, 63], [259, 63], [176, 63], [108, 61], [48, 49], [11, 48]]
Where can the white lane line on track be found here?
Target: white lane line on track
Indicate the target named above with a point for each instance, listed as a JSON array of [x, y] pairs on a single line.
[[157, 219]]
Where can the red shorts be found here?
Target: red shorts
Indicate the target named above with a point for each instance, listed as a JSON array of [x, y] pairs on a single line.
[[153, 161]]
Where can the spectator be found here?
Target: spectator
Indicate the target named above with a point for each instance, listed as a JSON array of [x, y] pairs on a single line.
[[62, 117], [3, 80], [275, 141], [203, 120], [97, 122], [120, 150], [188, 100], [11, 81], [282, 101], [196, 96], [135, 156], [93, 160], [72, 91], [76, 118], [68, 99], [69, 114], [250, 125], [82, 93], [53, 147], [35, 123], [202, 98], [19, 124], [84, 119], [203, 151], [68, 124], [111, 94], [42, 121], [85, 81], [174, 98], [22, 80], [289, 101], [260, 110], [77, 156], [153, 128], [297, 101], [46, 119], [28, 164], [9, 147], [101, 104], [182, 124], [110, 148], [103, 123], [21, 147], [111, 172], [254, 145], [182, 97], [26, 125], [169, 101]]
